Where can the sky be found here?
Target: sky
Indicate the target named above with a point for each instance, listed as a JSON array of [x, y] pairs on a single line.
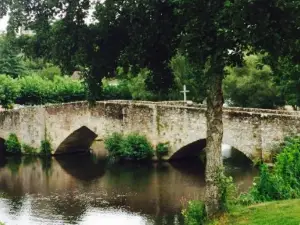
[[3, 23], [4, 20]]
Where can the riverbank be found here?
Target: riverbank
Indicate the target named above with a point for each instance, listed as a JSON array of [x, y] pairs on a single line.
[[278, 212]]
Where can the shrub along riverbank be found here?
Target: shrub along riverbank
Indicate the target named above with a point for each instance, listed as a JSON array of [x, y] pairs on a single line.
[[133, 147], [282, 182], [14, 147]]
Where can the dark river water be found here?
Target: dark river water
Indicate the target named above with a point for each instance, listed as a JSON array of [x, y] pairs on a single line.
[[83, 189]]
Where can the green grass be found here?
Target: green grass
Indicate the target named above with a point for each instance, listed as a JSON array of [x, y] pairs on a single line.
[[271, 213]]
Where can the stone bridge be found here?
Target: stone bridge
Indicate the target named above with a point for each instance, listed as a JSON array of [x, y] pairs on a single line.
[[74, 126]]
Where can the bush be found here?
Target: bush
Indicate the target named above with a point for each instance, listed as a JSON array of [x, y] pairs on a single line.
[[113, 145], [38, 90], [49, 72], [136, 147], [195, 213], [67, 90], [46, 148], [131, 147], [115, 91], [9, 91], [162, 149], [283, 182], [13, 145], [35, 90], [29, 150]]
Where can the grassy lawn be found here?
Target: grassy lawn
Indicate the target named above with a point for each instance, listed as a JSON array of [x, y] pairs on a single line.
[[271, 213]]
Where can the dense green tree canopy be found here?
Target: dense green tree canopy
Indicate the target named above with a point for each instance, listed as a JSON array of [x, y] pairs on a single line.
[[10, 61], [127, 33], [287, 77], [252, 85]]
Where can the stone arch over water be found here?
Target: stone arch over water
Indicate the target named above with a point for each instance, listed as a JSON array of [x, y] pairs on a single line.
[[80, 140], [190, 151], [196, 149]]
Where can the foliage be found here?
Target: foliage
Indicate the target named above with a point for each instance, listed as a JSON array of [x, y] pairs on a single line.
[[127, 86], [12, 144], [14, 163], [283, 181], [9, 91], [228, 191], [113, 145], [130, 147], [162, 149], [67, 90], [214, 34], [115, 91], [195, 213], [136, 147], [10, 61], [36, 90], [252, 85], [46, 149], [28, 150], [185, 74], [49, 72], [137, 83], [288, 80]]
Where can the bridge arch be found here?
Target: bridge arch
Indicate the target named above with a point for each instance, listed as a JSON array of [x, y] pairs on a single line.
[[190, 150], [196, 149], [80, 140]]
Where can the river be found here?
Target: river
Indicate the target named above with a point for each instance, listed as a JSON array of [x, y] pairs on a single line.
[[85, 189]]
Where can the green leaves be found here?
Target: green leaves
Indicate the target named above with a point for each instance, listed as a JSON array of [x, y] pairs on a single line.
[[130, 147], [227, 3], [10, 61], [38, 90], [9, 91], [13, 145], [252, 85], [283, 181]]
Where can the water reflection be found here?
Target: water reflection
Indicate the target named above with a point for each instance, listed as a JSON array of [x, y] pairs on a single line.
[[82, 166], [83, 189]]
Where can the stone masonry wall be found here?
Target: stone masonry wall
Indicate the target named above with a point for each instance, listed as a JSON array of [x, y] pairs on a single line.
[[253, 132]]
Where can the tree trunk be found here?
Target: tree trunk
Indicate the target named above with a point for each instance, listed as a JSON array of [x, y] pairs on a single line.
[[214, 163]]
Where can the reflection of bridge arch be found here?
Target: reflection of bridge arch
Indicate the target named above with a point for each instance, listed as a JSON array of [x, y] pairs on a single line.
[[79, 140], [83, 166], [196, 148], [2, 152]]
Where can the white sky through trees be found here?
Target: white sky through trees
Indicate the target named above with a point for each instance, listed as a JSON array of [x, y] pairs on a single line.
[[3, 24]]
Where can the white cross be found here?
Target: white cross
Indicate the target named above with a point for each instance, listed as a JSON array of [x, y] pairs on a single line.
[[184, 92]]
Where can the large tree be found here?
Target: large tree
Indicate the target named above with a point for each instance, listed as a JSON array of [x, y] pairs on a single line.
[[215, 36], [136, 34]]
